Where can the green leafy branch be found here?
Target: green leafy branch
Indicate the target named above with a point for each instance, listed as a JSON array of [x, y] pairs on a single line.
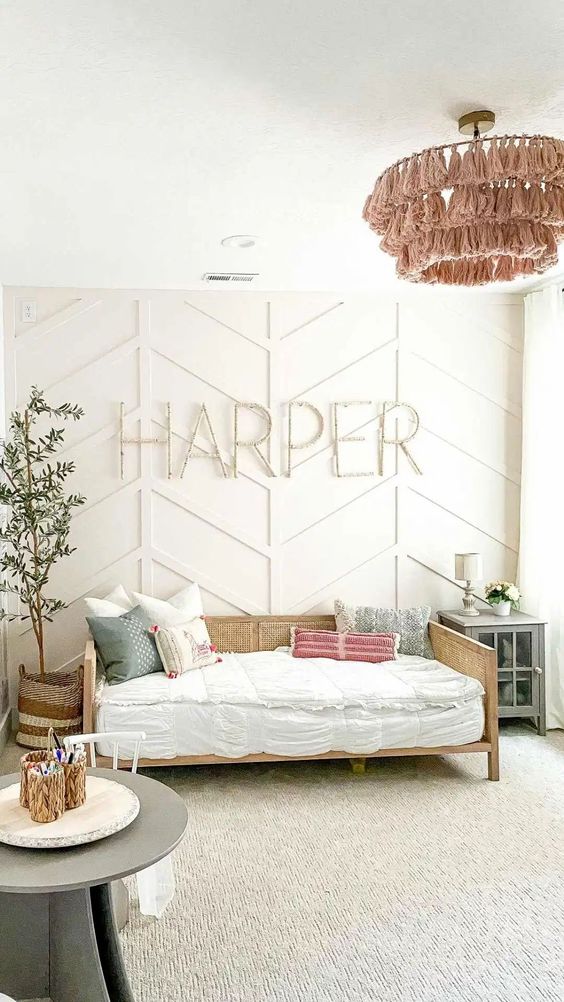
[[35, 533]]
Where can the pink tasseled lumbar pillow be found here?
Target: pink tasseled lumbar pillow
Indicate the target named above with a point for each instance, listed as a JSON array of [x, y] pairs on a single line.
[[373, 647]]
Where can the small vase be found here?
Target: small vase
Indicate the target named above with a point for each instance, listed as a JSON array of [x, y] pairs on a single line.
[[501, 609]]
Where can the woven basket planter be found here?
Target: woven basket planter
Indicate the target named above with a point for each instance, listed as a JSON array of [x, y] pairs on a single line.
[[75, 784], [52, 701], [46, 796], [31, 758]]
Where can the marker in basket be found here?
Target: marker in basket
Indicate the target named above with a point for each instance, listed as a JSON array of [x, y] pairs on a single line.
[[77, 754], [43, 769]]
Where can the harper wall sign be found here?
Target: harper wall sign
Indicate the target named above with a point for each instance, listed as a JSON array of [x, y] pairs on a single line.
[[387, 414]]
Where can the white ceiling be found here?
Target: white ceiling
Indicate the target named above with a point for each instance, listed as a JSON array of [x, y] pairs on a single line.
[[135, 134]]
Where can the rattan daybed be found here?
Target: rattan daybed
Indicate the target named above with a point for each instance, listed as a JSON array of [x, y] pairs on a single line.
[[245, 634]]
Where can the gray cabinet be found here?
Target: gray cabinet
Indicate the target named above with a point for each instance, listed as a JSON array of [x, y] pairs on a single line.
[[519, 643]]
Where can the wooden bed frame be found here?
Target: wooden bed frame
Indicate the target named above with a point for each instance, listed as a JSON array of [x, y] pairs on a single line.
[[244, 634]]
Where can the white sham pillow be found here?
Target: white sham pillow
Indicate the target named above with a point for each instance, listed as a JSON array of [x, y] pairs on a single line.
[[114, 604], [182, 607]]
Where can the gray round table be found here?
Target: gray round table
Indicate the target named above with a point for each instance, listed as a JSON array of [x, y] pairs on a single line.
[[58, 936]]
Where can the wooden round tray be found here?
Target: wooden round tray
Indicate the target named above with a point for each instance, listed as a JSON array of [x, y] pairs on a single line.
[[109, 807]]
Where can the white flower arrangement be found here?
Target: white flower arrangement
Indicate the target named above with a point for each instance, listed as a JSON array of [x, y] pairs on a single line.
[[502, 591]]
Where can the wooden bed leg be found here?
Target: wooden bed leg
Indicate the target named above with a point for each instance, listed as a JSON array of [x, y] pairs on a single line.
[[493, 764], [358, 766]]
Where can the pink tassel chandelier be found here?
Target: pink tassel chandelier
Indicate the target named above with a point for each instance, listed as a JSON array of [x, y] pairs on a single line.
[[479, 211]]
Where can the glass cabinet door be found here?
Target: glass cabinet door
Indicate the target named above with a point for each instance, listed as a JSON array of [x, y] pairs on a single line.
[[517, 666], [524, 649], [524, 688], [526, 677], [505, 651], [486, 638], [505, 690]]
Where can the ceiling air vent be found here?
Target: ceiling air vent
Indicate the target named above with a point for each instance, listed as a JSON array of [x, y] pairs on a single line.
[[215, 277]]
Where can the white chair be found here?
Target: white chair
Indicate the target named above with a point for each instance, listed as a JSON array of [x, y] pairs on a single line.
[[156, 884], [115, 737]]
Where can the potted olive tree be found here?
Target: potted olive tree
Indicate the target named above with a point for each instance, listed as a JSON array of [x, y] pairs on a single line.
[[34, 536]]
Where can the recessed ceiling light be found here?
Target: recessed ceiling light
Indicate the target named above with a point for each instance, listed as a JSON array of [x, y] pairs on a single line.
[[241, 240]]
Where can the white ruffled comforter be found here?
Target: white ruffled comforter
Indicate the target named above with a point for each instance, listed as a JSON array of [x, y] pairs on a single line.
[[270, 702], [275, 678]]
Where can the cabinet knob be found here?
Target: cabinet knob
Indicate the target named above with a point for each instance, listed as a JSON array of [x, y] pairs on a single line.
[[538, 670]]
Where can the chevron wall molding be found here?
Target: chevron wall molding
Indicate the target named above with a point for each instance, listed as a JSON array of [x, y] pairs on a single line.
[[258, 544]]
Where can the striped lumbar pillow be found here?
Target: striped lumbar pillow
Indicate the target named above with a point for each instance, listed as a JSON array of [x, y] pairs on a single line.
[[373, 647]]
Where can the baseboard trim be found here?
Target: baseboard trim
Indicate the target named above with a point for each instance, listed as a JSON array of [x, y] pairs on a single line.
[[5, 729]]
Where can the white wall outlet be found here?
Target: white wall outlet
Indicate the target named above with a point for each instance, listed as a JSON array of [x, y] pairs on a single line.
[[28, 311]]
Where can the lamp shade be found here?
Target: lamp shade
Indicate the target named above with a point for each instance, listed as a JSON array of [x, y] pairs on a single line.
[[468, 566]]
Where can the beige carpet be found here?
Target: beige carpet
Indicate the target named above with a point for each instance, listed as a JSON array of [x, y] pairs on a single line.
[[420, 881]]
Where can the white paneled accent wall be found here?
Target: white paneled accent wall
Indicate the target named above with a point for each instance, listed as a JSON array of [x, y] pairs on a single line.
[[258, 544]]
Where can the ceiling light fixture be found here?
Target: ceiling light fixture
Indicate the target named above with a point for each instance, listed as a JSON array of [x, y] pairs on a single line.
[[241, 240], [492, 214]]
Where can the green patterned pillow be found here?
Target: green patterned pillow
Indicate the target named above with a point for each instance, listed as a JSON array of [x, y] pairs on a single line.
[[127, 650], [411, 624]]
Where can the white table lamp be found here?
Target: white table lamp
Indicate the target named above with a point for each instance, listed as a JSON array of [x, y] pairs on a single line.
[[468, 568]]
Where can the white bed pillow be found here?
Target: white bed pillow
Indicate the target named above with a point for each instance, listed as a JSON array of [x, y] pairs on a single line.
[[114, 604], [182, 607]]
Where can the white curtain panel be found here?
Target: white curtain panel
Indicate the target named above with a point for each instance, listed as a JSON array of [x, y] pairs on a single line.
[[541, 556], [156, 887]]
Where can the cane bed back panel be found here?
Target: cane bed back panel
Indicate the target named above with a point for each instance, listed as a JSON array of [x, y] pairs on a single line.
[[244, 634]]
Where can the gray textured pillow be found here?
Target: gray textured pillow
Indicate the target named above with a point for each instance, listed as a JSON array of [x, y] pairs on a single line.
[[127, 650], [411, 624]]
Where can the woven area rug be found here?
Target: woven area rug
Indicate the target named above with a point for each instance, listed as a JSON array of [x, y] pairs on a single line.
[[419, 881]]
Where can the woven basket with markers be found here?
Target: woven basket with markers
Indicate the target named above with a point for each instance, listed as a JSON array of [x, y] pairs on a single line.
[[56, 759], [46, 792], [27, 762], [75, 782], [73, 763]]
